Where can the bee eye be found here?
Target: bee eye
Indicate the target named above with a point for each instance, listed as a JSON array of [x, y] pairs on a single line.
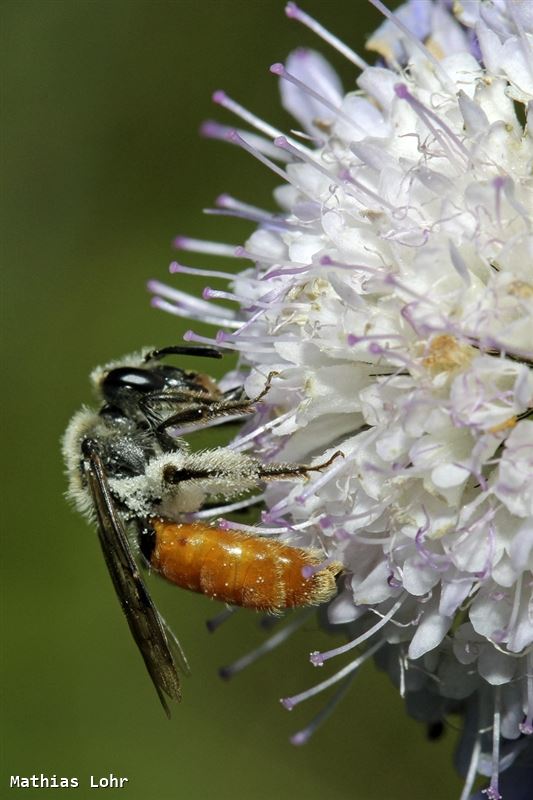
[[130, 378]]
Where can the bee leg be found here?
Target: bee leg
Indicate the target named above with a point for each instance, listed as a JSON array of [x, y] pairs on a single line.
[[206, 409], [177, 398], [288, 471], [206, 413], [238, 394], [233, 403], [266, 388]]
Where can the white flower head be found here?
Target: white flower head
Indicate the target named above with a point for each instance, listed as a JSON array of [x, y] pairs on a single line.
[[392, 296]]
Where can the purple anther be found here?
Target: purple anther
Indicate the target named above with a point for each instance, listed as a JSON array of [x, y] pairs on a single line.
[[287, 703], [292, 11], [282, 143], [401, 91], [277, 69], [219, 97]]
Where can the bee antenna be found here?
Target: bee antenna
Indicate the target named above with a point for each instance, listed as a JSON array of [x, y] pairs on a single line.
[[182, 350]]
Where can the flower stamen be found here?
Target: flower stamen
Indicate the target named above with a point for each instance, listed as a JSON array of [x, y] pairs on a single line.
[[279, 70], [434, 123], [472, 768], [290, 702], [210, 129], [526, 727], [177, 268], [267, 646], [492, 791], [439, 70], [222, 99], [303, 736], [294, 12], [317, 658], [227, 508], [205, 246], [215, 622]]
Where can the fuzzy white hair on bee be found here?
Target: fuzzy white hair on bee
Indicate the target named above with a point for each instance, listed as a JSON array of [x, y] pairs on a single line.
[[181, 482], [83, 423], [121, 443]]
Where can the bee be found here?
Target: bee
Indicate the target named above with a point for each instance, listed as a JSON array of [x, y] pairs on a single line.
[[133, 477]]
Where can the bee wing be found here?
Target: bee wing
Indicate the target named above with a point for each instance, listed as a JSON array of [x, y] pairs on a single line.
[[145, 622]]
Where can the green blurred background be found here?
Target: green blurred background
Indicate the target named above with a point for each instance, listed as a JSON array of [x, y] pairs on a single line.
[[103, 164]]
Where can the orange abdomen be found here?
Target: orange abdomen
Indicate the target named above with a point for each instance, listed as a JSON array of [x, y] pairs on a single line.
[[242, 570]]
